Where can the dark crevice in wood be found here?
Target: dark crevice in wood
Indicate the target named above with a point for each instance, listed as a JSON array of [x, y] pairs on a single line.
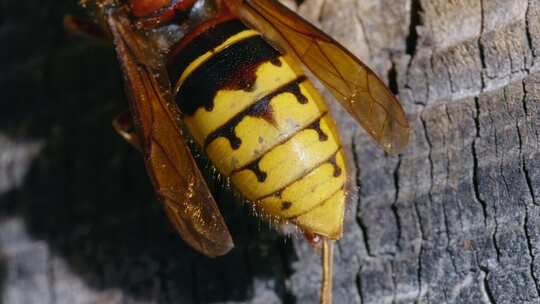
[[392, 79], [358, 180], [483, 72], [531, 192], [488, 293], [361, 293], [523, 161], [530, 247], [394, 207], [430, 157], [475, 178], [419, 270], [529, 182], [445, 206], [415, 21], [420, 251], [528, 33], [430, 149], [359, 221], [363, 230], [431, 200], [501, 158], [526, 108]]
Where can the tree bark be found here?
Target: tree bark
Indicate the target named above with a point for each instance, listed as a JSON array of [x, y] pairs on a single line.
[[453, 219]]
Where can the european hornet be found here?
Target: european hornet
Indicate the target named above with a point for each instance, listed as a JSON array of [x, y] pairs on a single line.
[[231, 73]]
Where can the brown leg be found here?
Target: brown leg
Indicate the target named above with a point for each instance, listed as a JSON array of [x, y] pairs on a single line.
[[327, 264], [326, 247], [123, 125]]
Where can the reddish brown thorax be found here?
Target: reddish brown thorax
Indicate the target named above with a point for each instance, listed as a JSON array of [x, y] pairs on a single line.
[[153, 13]]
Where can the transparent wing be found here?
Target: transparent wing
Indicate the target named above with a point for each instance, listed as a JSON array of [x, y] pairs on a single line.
[[174, 173], [351, 82]]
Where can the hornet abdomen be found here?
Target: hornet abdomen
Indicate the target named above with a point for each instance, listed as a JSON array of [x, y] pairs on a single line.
[[262, 124]]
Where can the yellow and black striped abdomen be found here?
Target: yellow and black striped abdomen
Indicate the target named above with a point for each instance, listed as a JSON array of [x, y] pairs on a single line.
[[263, 124]]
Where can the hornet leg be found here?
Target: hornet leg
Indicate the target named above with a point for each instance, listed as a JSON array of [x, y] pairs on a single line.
[[326, 247], [327, 263]]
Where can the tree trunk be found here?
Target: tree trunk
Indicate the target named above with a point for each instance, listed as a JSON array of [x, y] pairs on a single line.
[[453, 219]]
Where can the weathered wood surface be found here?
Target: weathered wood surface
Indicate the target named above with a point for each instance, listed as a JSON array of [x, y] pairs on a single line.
[[454, 219]]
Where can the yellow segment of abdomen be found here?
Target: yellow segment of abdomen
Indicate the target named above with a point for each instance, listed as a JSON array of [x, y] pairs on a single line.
[[228, 103], [276, 142]]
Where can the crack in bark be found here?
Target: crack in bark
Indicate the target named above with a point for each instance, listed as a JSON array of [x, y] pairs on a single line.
[[363, 230], [528, 33], [447, 167], [411, 43], [523, 162], [531, 253], [419, 270], [526, 108], [420, 252], [495, 220], [359, 285], [392, 78], [486, 291], [415, 20], [475, 178], [393, 207], [430, 196], [531, 192], [362, 226], [430, 156], [483, 72]]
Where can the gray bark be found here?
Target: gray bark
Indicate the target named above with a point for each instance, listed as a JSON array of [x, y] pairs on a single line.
[[453, 219]]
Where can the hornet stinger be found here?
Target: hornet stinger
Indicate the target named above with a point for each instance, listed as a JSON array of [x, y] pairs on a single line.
[[229, 75]]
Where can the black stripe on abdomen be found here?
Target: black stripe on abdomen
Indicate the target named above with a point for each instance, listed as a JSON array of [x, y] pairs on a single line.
[[203, 43], [231, 69], [260, 108]]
